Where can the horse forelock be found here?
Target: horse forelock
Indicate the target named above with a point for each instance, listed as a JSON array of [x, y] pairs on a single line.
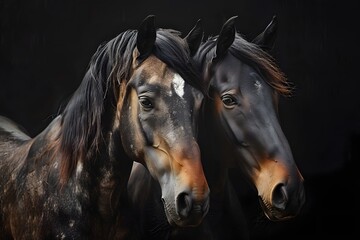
[[173, 51], [264, 62], [203, 60], [252, 55]]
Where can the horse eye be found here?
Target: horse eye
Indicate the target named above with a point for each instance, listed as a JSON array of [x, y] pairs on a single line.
[[228, 100], [146, 103]]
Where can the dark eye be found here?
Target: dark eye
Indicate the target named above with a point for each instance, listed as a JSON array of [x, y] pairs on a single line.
[[228, 100], [146, 103]]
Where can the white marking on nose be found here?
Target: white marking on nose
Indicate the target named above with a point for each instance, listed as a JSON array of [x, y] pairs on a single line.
[[179, 84]]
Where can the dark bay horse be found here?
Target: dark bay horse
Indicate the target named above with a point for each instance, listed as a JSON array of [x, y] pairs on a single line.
[[239, 129], [139, 101], [244, 86]]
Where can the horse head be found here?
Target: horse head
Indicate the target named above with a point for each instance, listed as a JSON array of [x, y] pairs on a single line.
[[244, 84], [158, 110]]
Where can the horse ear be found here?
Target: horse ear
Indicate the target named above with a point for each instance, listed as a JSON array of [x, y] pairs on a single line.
[[266, 39], [226, 37], [194, 37], [146, 36]]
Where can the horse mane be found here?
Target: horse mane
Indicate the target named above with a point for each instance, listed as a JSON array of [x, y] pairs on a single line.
[[83, 122], [174, 51], [251, 54]]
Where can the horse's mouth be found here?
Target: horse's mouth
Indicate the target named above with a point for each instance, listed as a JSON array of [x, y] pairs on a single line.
[[272, 213], [175, 220]]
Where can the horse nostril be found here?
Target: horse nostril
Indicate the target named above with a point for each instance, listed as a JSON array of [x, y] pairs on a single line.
[[280, 196], [183, 204]]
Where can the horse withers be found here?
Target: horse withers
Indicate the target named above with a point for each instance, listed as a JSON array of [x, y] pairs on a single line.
[[138, 101]]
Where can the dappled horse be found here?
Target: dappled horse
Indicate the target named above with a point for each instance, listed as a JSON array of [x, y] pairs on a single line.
[[138, 101], [239, 130]]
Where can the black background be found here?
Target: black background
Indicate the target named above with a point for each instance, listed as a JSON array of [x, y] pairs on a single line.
[[46, 45]]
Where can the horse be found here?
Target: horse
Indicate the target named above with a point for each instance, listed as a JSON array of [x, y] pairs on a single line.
[[239, 130], [245, 84], [138, 101]]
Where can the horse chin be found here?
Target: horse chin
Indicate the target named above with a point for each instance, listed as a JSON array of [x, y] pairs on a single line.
[[272, 213], [182, 223]]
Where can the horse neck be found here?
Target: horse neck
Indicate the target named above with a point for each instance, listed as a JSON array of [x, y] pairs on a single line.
[[109, 163], [103, 173], [112, 169], [106, 174], [214, 162]]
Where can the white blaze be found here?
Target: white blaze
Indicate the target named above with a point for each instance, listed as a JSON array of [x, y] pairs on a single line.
[[179, 84]]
